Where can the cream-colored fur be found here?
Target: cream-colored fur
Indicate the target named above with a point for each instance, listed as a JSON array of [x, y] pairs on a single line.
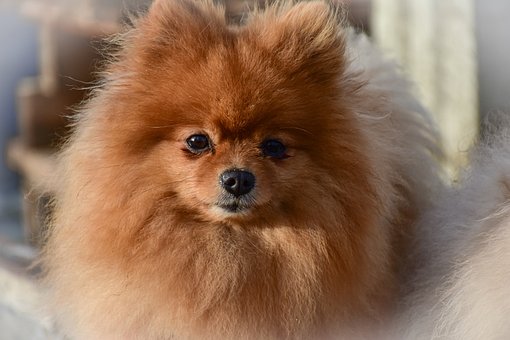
[[461, 287]]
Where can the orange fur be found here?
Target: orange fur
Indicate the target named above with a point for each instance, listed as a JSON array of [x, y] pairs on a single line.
[[136, 249]]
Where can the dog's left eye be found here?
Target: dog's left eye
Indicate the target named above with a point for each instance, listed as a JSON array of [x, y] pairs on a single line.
[[274, 148], [198, 143]]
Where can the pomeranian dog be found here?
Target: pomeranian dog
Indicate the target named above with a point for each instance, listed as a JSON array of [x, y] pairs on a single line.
[[247, 181], [460, 289]]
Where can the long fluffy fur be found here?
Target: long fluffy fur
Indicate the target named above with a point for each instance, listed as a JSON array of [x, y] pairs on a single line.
[[135, 253], [459, 289]]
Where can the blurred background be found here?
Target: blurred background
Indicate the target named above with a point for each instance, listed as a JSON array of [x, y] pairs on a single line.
[[456, 51]]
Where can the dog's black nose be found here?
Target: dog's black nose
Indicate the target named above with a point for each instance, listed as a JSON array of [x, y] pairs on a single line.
[[237, 182]]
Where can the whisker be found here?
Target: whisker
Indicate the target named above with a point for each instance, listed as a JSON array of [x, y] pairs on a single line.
[[161, 126], [297, 129]]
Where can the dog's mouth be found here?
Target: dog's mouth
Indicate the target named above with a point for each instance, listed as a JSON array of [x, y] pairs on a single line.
[[235, 205]]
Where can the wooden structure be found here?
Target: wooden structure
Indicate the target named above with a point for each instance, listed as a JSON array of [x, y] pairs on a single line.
[[69, 41]]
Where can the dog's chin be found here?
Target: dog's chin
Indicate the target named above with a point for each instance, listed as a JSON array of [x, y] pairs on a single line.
[[231, 210]]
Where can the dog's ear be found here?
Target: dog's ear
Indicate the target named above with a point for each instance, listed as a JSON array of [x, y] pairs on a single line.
[[184, 22], [306, 36]]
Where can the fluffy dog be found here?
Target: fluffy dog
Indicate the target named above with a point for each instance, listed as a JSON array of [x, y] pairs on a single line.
[[252, 181], [462, 256]]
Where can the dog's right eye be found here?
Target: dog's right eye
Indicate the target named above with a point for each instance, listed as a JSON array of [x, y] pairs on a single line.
[[198, 144]]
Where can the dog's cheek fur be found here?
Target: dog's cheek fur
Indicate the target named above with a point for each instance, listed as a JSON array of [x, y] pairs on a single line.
[[129, 243]]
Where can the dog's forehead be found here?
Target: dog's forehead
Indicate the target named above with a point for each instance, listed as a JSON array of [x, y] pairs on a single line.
[[235, 120], [242, 93], [236, 89]]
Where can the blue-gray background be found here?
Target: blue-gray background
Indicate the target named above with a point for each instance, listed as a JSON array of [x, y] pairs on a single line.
[[18, 59]]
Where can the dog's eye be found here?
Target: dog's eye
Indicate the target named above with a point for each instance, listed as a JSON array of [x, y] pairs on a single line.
[[198, 143], [273, 148]]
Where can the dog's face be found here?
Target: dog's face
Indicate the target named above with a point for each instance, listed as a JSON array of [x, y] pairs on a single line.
[[248, 142], [245, 123]]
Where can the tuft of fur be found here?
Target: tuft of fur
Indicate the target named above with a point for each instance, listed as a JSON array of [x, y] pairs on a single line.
[[136, 250], [462, 258]]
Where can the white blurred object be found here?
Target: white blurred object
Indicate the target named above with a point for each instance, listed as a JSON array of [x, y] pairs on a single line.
[[435, 42]]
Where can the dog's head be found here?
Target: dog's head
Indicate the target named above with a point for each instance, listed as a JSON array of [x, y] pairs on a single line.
[[243, 122]]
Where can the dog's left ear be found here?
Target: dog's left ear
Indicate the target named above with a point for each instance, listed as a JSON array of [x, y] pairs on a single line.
[[306, 36], [184, 24]]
